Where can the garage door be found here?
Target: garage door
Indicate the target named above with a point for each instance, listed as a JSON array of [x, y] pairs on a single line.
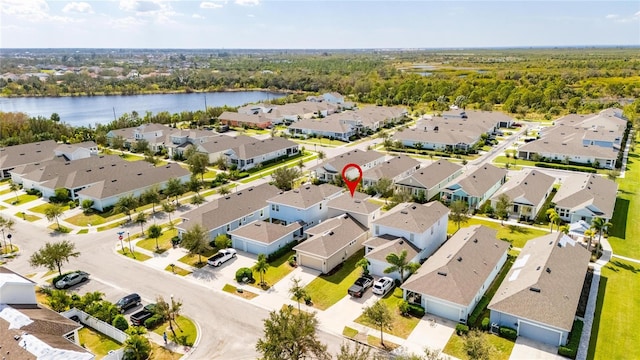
[[540, 334], [443, 310], [238, 244], [310, 262], [255, 248]]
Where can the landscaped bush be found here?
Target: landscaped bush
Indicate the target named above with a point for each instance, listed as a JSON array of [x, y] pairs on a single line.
[[34, 192], [565, 167], [153, 322], [508, 333], [485, 324], [120, 323], [462, 329], [403, 306], [482, 304], [571, 349], [415, 310], [283, 250], [244, 273]]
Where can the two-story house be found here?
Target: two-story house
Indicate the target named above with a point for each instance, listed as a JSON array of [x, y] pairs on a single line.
[[475, 187], [249, 155], [332, 168], [430, 180], [527, 190], [394, 169], [306, 205]]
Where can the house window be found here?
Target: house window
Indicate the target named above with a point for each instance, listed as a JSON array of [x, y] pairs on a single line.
[[377, 230], [228, 227], [273, 207], [320, 206], [411, 237], [262, 213]]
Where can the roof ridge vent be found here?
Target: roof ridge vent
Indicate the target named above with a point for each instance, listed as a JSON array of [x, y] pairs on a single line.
[[534, 289], [443, 273], [404, 212]]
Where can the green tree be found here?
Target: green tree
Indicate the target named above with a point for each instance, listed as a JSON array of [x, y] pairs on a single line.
[[152, 196], [478, 347], [141, 146], [59, 300], [194, 184], [174, 188], [53, 212], [291, 336], [6, 225], [284, 177], [503, 205], [222, 241], [613, 174], [120, 323], [358, 352], [169, 311], [297, 290], [126, 204], [224, 190], [380, 316], [600, 225], [87, 206], [136, 347], [554, 218], [155, 231], [53, 255], [364, 264], [198, 163], [169, 208], [384, 187], [197, 200], [401, 264], [459, 212], [196, 240], [61, 195], [141, 219], [589, 234], [14, 188], [261, 266]]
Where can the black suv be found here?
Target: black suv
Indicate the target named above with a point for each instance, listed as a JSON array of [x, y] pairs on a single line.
[[129, 301]]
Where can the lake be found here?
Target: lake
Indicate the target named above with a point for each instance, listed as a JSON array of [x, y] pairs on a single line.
[[91, 110]]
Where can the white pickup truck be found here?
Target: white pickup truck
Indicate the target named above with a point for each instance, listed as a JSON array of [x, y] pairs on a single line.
[[221, 257]]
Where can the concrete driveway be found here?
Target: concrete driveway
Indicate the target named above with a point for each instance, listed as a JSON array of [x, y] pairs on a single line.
[[432, 332], [532, 350]]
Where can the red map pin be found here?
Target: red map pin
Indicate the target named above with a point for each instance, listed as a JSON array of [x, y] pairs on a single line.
[[351, 184]]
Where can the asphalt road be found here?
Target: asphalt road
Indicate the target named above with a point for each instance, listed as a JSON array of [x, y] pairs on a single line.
[[229, 327]]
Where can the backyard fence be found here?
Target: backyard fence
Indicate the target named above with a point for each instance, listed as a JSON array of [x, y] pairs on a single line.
[[98, 325]]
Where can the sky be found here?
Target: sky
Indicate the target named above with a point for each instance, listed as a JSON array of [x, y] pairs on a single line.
[[316, 24]]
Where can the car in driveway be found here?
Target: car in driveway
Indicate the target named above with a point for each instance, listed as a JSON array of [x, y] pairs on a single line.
[[71, 279], [382, 286], [127, 302], [221, 257], [360, 286], [138, 318]]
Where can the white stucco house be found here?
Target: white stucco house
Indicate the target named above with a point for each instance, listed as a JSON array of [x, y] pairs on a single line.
[[263, 237], [306, 205]]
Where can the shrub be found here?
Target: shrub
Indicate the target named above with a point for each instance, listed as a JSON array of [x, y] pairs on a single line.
[[243, 273], [403, 306], [567, 352], [153, 322], [72, 204], [416, 310], [283, 250], [292, 261], [35, 192], [462, 329], [508, 333], [566, 167], [485, 324], [222, 241], [120, 323], [571, 349]]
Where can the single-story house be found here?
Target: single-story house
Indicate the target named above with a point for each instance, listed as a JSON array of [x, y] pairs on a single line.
[[152, 133], [475, 187], [240, 119], [217, 146], [527, 190], [357, 206], [263, 237], [247, 156], [585, 197], [330, 243], [540, 294], [332, 168], [377, 248], [77, 151], [394, 169], [327, 127], [453, 280], [306, 205], [16, 155], [431, 179]]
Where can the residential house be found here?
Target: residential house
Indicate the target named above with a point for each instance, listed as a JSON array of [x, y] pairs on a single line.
[[527, 190], [424, 226], [77, 151], [475, 187], [263, 237], [357, 206], [217, 146], [306, 205], [586, 196], [256, 109], [394, 169], [247, 156], [222, 215], [379, 247], [594, 139], [376, 117], [24, 154], [177, 141], [493, 119], [29, 331], [330, 243], [453, 280], [541, 292], [153, 133], [293, 112], [332, 168], [430, 180], [323, 127], [244, 120]]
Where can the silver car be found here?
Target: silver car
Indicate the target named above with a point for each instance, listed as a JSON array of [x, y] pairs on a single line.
[[382, 286], [72, 279]]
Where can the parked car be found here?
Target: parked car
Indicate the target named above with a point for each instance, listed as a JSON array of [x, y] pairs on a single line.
[[382, 286], [221, 257], [138, 318], [71, 279], [127, 302], [360, 286]]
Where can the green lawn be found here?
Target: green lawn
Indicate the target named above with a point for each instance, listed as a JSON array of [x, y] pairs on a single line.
[[278, 269], [93, 219], [112, 226], [161, 353], [268, 170], [326, 290], [614, 334], [194, 261], [98, 344], [234, 290], [349, 332], [5, 191], [22, 199], [517, 234], [625, 233], [455, 347], [186, 330], [164, 241], [320, 141], [139, 256], [402, 325], [43, 207], [27, 217], [177, 270]]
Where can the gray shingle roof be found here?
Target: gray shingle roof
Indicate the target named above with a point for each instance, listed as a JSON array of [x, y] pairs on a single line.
[[357, 204], [391, 168], [12, 156], [264, 232], [554, 266], [307, 196], [478, 182], [387, 244], [331, 235], [262, 147], [526, 187], [224, 142], [245, 118], [359, 157], [588, 191], [413, 217], [457, 271], [431, 175]]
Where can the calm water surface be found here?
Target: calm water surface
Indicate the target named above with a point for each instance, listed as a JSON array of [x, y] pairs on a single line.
[[91, 110]]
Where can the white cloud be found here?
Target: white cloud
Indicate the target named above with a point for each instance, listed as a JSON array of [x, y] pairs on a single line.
[[158, 10], [623, 19], [78, 7], [251, 15], [248, 2], [197, 16], [212, 4], [126, 23], [612, 16], [32, 11]]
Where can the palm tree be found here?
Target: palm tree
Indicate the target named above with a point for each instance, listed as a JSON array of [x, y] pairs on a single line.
[[364, 264], [224, 190], [155, 231], [53, 212], [297, 291], [141, 219], [554, 218], [599, 225], [589, 233], [125, 205], [261, 266], [169, 208], [14, 187], [137, 347], [6, 224], [401, 264], [564, 229]]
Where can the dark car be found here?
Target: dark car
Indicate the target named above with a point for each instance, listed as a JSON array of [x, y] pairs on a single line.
[[138, 318], [127, 302], [360, 286]]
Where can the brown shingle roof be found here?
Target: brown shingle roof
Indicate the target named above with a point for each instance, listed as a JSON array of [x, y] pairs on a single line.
[[413, 217], [262, 147], [331, 235], [591, 191], [387, 244], [457, 271], [526, 187], [264, 232], [306, 196], [478, 182], [357, 204], [432, 174], [12, 156], [391, 168], [545, 282], [224, 142]]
